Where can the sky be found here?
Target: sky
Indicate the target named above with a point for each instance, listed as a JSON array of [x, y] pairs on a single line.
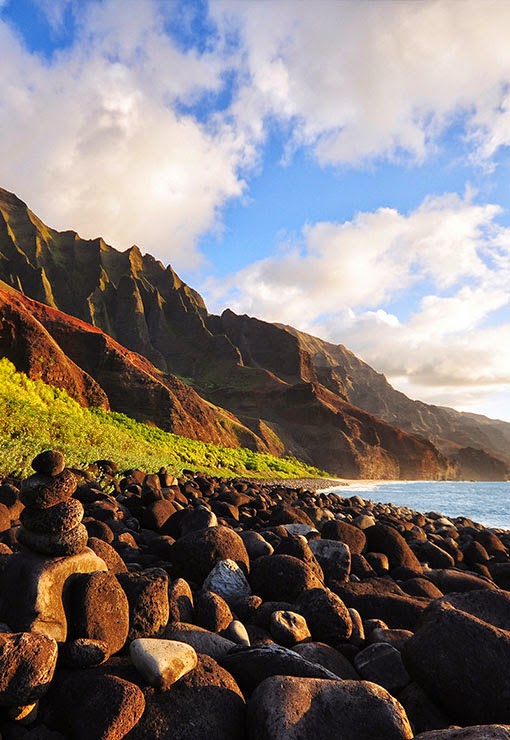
[[339, 166]]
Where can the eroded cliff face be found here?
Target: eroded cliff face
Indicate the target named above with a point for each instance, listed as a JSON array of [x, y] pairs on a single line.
[[342, 372], [95, 370], [274, 391]]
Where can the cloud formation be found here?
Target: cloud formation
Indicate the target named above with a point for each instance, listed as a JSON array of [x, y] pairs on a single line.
[[94, 140], [444, 268], [128, 133], [369, 80]]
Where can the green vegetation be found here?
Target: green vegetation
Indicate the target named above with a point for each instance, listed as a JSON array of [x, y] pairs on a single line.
[[35, 416]]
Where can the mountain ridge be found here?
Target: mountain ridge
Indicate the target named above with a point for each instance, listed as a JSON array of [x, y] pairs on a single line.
[[265, 376]]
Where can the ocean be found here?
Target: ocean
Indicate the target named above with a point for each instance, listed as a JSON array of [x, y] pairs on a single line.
[[485, 502]]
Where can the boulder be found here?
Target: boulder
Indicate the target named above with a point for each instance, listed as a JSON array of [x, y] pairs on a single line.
[[49, 462], [195, 554], [326, 615], [180, 601], [97, 608], [32, 590], [382, 538], [476, 732], [83, 653], [287, 628], [252, 665], [334, 558], [162, 662], [206, 704], [70, 542], [282, 577], [462, 664], [87, 705], [255, 544], [108, 554], [228, 580], [327, 657], [202, 640], [211, 611], [289, 708], [56, 520], [147, 595], [27, 664], [381, 663], [298, 547], [353, 537], [452, 580], [43, 491]]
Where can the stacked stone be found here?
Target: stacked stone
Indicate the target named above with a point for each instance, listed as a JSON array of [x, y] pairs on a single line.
[[51, 520]]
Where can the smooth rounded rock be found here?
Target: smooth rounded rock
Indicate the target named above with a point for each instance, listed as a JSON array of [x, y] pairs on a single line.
[[334, 558], [49, 462], [252, 665], [162, 662], [289, 708], [326, 615], [194, 555], [88, 705], [287, 628], [381, 663], [202, 640], [211, 611], [474, 732], [328, 657], [83, 653], [237, 632]]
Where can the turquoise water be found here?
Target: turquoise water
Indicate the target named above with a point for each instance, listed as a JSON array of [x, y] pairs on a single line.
[[487, 503]]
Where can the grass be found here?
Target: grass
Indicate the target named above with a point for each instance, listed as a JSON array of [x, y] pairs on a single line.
[[35, 417]]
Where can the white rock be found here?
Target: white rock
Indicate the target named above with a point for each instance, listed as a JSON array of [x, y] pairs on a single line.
[[298, 528], [162, 662], [228, 580]]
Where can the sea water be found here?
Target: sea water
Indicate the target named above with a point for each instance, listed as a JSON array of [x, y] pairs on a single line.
[[485, 502]]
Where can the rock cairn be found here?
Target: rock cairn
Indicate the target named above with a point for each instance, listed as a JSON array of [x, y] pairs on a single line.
[[216, 609], [51, 520]]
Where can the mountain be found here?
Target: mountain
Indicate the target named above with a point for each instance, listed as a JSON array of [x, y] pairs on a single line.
[[345, 374], [267, 386]]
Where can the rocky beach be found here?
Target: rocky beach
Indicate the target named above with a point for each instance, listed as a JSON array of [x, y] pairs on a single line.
[[140, 605]]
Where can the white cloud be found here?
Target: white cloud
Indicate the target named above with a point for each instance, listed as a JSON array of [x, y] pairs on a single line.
[[93, 140], [446, 266], [372, 79]]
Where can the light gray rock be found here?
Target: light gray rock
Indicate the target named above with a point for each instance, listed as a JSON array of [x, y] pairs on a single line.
[[298, 528], [202, 640], [162, 662], [228, 580]]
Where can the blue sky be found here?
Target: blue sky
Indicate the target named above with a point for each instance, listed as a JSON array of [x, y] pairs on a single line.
[[339, 166]]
